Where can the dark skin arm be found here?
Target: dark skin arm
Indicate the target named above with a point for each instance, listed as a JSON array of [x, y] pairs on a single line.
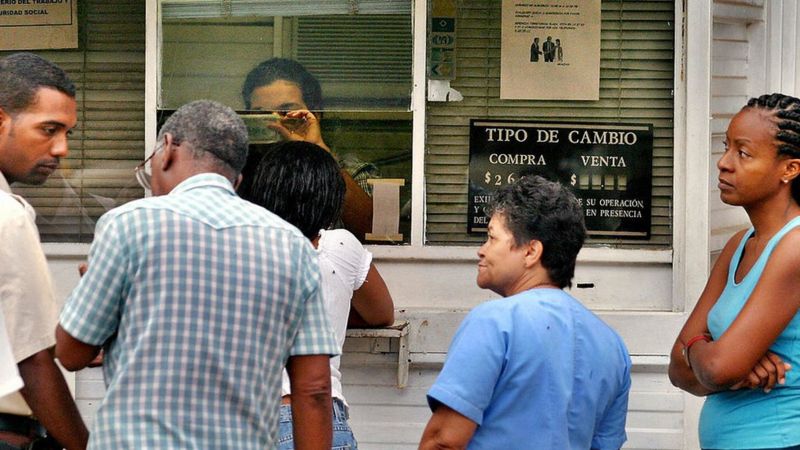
[[49, 398], [447, 429], [72, 353], [679, 373], [743, 349], [312, 407], [357, 209], [372, 304]]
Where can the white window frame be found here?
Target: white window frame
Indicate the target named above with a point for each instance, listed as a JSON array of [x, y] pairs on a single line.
[[688, 259]]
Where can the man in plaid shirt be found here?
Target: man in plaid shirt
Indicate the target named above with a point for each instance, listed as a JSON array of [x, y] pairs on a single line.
[[199, 299]]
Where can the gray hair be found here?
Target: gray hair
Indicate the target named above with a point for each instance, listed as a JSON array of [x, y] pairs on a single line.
[[211, 128]]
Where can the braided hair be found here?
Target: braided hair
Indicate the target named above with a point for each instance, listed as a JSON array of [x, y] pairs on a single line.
[[787, 112]]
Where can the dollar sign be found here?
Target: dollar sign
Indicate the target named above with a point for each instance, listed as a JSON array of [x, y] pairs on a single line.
[[488, 177], [572, 179]]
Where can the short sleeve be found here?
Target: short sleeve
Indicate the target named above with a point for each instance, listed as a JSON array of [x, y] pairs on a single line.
[[10, 380], [474, 363], [346, 254], [314, 336], [26, 291], [610, 432], [92, 311]]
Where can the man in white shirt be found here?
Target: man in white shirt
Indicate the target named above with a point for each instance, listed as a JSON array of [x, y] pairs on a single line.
[[9, 375], [37, 112]]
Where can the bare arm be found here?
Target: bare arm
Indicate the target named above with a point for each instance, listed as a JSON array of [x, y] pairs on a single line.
[[49, 398], [724, 363], [72, 353], [447, 429], [372, 304], [312, 407], [680, 374], [357, 209]]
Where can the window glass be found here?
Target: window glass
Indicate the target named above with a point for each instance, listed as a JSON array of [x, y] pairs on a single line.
[[108, 141], [359, 52], [636, 85]]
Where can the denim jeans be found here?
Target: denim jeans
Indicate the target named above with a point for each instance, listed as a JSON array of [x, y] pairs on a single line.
[[343, 438]]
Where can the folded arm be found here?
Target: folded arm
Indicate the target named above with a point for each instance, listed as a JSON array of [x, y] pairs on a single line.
[[726, 362]]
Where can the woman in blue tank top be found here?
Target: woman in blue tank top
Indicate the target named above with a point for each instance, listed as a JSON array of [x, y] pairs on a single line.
[[740, 346]]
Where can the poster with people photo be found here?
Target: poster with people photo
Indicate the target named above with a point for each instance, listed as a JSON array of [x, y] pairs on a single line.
[[550, 50]]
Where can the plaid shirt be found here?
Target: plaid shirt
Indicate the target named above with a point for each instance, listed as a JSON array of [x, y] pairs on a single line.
[[199, 298]]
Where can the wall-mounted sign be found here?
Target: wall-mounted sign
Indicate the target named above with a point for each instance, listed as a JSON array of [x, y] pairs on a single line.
[[550, 50], [442, 40], [608, 166], [38, 24]]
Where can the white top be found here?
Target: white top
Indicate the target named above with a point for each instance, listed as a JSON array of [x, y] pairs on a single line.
[[9, 375], [26, 291], [343, 263]]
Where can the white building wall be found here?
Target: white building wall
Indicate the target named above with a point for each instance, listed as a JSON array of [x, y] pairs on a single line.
[[644, 295], [738, 72]]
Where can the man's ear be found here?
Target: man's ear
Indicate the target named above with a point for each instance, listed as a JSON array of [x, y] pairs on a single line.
[[169, 153], [5, 119], [533, 253], [237, 182]]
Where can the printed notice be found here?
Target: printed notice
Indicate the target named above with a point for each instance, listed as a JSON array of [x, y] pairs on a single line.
[[38, 24], [608, 166], [550, 50]]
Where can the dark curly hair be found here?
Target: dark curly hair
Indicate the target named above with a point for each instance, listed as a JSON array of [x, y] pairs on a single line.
[[296, 180], [787, 119], [535, 208]]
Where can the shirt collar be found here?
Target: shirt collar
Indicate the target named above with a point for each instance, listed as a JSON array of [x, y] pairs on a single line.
[[207, 179], [4, 184], [4, 187]]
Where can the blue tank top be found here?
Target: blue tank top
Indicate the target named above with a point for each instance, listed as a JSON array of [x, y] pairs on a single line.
[[749, 418]]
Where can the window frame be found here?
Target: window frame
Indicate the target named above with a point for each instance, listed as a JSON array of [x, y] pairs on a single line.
[[685, 253]]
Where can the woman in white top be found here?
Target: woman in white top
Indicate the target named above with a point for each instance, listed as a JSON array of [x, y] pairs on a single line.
[[302, 183]]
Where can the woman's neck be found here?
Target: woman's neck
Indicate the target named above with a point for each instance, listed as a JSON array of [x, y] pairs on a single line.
[[770, 216]]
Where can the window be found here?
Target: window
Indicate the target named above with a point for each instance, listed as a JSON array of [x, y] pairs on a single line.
[[108, 141], [636, 83], [359, 51]]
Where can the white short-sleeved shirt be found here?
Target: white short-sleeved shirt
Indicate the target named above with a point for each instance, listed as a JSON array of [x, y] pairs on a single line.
[[9, 375], [26, 293], [343, 263]]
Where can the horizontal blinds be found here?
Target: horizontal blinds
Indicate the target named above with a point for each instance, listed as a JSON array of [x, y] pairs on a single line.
[[636, 82], [108, 142], [198, 9], [361, 62]]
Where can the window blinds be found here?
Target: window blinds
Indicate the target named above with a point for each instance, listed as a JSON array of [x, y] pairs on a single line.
[[636, 82], [108, 141], [206, 9]]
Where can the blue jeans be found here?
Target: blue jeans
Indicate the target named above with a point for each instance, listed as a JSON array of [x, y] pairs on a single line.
[[343, 438]]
